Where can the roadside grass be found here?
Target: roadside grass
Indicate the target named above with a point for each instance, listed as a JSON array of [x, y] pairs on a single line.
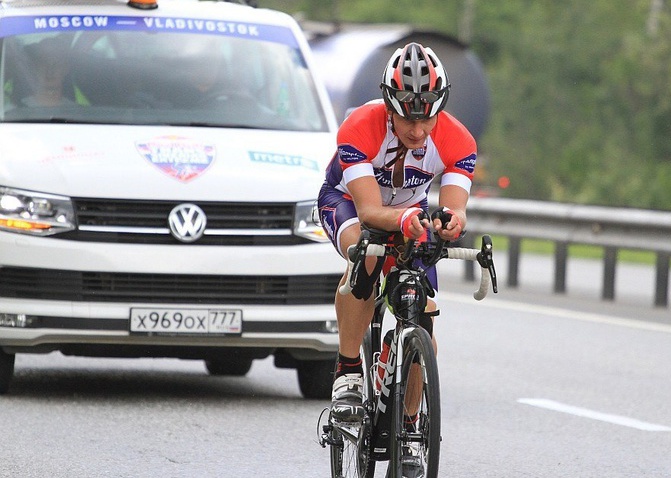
[[537, 246]]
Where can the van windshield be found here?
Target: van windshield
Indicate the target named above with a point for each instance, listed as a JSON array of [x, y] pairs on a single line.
[[141, 76]]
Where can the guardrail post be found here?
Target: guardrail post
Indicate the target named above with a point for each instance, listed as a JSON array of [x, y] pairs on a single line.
[[609, 263], [469, 266], [561, 256], [662, 279], [513, 260]]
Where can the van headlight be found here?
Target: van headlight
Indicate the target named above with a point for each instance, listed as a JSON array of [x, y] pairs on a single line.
[[38, 214], [306, 222]]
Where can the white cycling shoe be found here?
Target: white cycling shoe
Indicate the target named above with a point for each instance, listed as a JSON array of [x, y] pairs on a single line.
[[347, 397]]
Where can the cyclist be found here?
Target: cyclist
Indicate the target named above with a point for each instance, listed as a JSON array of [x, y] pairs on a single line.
[[388, 153]]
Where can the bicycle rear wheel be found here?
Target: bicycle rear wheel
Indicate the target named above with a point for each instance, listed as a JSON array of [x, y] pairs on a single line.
[[416, 418], [345, 458], [350, 445]]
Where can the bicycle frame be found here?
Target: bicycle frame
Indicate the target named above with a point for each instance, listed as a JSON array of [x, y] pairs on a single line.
[[389, 394]]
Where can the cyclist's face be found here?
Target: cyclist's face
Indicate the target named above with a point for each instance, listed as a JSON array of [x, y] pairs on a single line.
[[413, 133]]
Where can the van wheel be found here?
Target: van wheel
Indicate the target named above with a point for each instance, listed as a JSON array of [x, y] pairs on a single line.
[[6, 370], [315, 378], [231, 366]]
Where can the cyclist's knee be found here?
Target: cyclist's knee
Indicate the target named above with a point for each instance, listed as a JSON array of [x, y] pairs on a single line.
[[426, 322], [426, 318], [348, 236]]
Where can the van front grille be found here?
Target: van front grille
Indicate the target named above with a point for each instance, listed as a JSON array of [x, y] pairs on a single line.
[[146, 222], [78, 286]]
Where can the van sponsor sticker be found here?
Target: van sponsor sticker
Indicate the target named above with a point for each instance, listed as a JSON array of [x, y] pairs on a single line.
[[283, 160], [182, 158]]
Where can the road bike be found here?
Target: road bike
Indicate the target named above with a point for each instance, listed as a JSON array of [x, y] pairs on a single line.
[[401, 424]]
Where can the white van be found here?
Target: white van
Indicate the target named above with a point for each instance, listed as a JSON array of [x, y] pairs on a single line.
[[159, 166]]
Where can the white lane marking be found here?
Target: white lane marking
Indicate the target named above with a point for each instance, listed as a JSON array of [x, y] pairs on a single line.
[[563, 313], [594, 415]]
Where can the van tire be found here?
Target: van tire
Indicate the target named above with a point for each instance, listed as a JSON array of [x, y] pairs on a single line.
[[230, 365], [6, 370], [315, 378]]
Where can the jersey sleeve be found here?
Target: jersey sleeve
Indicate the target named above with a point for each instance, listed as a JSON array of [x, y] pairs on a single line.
[[457, 149], [359, 139]]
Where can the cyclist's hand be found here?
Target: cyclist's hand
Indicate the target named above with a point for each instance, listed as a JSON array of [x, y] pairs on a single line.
[[412, 222], [447, 224]]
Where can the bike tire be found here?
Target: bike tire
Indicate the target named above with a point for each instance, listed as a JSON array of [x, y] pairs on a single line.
[[366, 465], [424, 436], [339, 453], [351, 459]]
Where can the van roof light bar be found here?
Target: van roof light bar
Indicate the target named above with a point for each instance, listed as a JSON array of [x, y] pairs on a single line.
[[143, 4]]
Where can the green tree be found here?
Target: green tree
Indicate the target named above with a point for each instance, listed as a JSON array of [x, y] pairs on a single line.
[[581, 91]]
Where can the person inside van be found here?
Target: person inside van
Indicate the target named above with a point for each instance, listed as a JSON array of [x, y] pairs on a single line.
[[49, 59]]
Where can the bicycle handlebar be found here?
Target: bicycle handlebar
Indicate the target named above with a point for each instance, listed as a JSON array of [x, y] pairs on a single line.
[[485, 278], [432, 252]]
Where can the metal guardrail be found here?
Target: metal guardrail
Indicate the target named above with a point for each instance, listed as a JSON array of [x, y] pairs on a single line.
[[566, 224]]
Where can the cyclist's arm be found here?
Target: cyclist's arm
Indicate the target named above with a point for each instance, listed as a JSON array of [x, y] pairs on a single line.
[[368, 201], [455, 198]]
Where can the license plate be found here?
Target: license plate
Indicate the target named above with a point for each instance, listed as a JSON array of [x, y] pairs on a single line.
[[186, 321]]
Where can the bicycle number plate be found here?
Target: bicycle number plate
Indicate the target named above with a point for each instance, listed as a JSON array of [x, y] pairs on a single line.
[[186, 321]]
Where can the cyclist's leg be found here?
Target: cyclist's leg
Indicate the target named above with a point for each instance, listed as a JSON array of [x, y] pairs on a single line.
[[354, 317], [350, 443], [353, 314], [341, 223]]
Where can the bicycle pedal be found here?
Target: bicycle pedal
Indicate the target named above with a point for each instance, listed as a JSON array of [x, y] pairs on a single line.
[[344, 413]]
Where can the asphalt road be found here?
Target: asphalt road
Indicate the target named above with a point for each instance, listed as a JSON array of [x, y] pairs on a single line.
[[533, 385]]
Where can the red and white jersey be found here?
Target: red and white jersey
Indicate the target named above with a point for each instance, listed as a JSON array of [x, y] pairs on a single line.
[[366, 143]]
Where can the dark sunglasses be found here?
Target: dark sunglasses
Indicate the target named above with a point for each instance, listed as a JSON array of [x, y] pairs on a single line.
[[405, 96]]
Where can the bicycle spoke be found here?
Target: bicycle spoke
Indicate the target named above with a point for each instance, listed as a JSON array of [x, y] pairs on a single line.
[[349, 451]]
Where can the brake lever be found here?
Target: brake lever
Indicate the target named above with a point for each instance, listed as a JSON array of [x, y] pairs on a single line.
[[486, 259]]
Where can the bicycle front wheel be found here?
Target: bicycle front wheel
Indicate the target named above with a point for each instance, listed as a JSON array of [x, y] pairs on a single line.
[[416, 417]]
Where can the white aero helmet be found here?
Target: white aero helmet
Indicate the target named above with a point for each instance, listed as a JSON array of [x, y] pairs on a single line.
[[415, 84]]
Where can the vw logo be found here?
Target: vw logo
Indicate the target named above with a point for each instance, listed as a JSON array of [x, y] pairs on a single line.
[[187, 222]]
